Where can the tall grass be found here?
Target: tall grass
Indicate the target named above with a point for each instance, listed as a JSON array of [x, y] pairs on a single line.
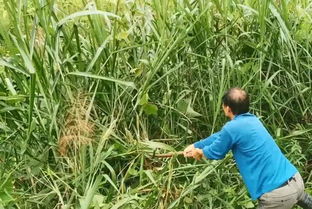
[[91, 89]]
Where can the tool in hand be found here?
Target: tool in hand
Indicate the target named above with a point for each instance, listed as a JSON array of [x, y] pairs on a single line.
[[167, 155]]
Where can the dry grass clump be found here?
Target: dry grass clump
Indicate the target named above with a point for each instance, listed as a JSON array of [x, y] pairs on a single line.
[[77, 129], [40, 40]]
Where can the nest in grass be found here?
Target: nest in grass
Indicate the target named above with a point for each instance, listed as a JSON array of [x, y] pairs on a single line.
[[77, 129]]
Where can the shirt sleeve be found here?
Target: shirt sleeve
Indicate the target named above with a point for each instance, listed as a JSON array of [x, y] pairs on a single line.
[[219, 147], [207, 141]]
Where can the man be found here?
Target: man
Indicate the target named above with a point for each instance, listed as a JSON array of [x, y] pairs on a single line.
[[266, 172]]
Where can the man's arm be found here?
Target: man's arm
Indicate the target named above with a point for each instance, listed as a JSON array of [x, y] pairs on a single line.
[[207, 141], [189, 150], [214, 147], [219, 147]]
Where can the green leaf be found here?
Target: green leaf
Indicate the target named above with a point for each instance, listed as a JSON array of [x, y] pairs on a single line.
[[85, 13], [185, 107], [9, 65], [158, 145], [26, 57], [150, 176], [182, 106], [144, 99], [191, 112], [86, 200], [123, 35], [188, 200], [98, 53], [98, 200], [6, 187], [249, 205], [133, 172], [89, 75], [15, 98], [124, 201], [10, 86], [150, 109], [137, 71], [111, 182]]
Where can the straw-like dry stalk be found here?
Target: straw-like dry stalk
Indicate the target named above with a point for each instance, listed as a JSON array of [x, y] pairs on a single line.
[[78, 128]]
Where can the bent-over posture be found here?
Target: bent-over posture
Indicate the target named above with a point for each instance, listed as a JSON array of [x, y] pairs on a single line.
[[266, 172]]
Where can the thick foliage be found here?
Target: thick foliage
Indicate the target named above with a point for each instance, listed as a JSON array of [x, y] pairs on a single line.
[[90, 90]]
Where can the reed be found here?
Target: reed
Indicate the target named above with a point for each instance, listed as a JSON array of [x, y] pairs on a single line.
[[125, 79]]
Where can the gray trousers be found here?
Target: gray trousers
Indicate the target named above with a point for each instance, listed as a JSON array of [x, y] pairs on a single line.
[[287, 196]]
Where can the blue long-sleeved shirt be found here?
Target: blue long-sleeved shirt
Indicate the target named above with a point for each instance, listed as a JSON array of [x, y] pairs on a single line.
[[259, 160]]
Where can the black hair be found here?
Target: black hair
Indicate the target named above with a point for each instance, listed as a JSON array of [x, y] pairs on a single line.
[[237, 99]]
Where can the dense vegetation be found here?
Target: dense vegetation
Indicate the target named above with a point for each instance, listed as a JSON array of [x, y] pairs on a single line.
[[91, 90]]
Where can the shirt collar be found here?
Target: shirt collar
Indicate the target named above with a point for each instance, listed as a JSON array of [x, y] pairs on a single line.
[[241, 115]]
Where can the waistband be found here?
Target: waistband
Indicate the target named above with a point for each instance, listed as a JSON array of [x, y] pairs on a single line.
[[288, 180]]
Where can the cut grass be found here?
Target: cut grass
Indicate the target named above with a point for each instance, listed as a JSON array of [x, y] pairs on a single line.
[[152, 75]]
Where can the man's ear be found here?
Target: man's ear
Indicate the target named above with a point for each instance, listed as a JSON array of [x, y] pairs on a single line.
[[229, 110]]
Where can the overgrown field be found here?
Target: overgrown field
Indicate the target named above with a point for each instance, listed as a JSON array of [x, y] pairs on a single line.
[[90, 91]]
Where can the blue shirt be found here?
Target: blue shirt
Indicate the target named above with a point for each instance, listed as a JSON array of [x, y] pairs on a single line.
[[259, 160]]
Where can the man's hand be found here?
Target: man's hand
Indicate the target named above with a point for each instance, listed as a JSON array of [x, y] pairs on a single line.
[[188, 151], [191, 151], [198, 154]]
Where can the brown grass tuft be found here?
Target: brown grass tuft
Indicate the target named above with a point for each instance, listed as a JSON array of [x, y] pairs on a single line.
[[78, 129]]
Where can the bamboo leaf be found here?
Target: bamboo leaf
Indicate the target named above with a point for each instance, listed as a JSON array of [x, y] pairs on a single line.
[[85, 13], [157, 145], [7, 64], [89, 75], [123, 201], [25, 56], [98, 53], [150, 176], [86, 200]]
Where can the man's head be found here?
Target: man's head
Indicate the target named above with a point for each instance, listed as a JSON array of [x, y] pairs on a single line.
[[235, 102]]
